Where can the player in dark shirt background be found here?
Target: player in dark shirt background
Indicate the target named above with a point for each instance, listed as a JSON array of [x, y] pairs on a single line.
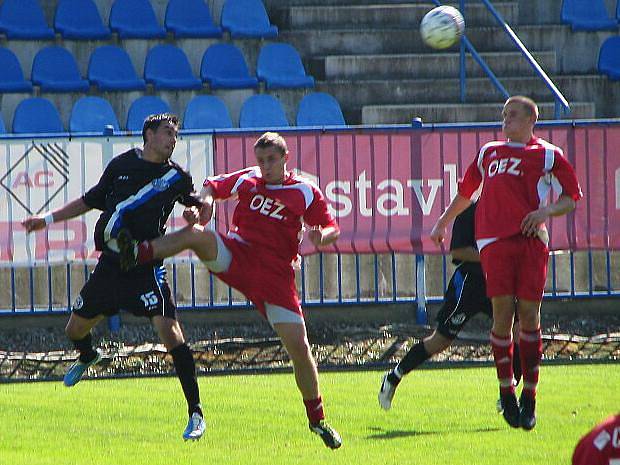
[[464, 298], [137, 191]]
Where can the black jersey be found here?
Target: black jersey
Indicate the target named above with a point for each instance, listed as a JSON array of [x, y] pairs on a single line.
[[138, 195], [463, 230]]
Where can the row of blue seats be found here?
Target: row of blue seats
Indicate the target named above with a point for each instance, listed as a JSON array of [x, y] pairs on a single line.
[[55, 69], [590, 15], [92, 114], [80, 20]]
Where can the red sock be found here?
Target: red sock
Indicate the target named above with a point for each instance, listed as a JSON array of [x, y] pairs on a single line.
[[314, 410], [531, 348], [145, 252], [502, 353]]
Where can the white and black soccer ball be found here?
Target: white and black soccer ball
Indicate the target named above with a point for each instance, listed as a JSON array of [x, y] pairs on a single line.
[[442, 27]]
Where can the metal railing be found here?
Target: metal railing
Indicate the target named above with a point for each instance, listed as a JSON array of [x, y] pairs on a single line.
[[561, 103]]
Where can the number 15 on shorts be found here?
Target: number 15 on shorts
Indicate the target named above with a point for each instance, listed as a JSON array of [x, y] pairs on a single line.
[[149, 300]]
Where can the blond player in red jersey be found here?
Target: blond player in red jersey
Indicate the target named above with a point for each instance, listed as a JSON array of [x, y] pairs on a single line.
[[517, 176], [256, 256]]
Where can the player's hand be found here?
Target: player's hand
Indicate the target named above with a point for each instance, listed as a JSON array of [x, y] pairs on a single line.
[[191, 215], [205, 214], [438, 234], [315, 236], [33, 223], [532, 221]]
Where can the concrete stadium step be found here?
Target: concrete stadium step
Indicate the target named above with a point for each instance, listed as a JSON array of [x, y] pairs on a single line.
[[478, 90], [405, 15], [453, 112], [579, 50], [427, 65]]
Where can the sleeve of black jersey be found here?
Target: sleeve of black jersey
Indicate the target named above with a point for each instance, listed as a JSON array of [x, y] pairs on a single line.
[[463, 230], [191, 198], [95, 197]]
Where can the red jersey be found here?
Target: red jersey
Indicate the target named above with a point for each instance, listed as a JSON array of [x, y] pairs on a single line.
[[270, 215], [601, 446], [516, 180]]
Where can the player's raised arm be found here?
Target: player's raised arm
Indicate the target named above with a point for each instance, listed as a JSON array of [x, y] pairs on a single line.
[[74, 208]]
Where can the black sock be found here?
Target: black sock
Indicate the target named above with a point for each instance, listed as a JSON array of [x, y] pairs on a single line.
[[416, 356], [516, 363], [85, 346], [186, 371]]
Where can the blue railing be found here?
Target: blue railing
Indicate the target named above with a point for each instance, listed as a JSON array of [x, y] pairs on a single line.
[[561, 104]]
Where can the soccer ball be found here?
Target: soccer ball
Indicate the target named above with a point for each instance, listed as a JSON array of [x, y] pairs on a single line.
[[442, 27]]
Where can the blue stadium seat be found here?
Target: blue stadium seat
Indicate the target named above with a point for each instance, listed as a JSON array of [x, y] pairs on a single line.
[[23, 19], [92, 114], [143, 107], [12, 76], [206, 112], [190, 18], [110, 68], [79, 19], [167, 67], [609, 58], [224, 67], [280, 66], [135, 19], [247, 18], [319, 109], [36, 115], [55, 70], [262, 111], [588, 15], [2, 128]]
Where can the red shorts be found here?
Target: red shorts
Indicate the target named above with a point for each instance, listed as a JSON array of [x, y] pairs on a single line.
[[516, 266], [261, 276]]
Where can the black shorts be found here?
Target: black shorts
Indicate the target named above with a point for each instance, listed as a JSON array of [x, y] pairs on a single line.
[[143, 291], [465, 297]]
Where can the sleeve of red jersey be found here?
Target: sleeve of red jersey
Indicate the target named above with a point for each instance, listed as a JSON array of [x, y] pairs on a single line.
[[471, 180], [224, 186], [317, 214], [566, 176]]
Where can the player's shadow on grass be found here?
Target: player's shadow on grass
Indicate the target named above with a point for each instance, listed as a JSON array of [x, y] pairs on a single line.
[[381, 433]]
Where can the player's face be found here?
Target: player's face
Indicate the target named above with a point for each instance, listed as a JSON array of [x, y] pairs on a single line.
[[164, 139], [272, 164], [517, 122]]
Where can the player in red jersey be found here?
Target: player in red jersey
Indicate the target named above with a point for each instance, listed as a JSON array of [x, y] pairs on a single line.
[[517, 176], [257, 255], [601, 446]]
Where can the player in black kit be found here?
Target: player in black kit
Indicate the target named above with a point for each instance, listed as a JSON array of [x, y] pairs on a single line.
[[137, 191], [464, 298]]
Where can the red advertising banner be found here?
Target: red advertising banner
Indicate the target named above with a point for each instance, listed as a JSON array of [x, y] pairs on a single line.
[[388, 187]]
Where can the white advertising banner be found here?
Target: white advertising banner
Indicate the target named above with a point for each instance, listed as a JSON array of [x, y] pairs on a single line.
[[40, 175]]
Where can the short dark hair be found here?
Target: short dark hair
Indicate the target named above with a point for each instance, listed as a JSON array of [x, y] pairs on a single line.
[[152, 122], [271, 139]]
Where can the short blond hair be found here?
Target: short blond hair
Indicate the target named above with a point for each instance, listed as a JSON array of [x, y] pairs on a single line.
[[271, 139], [527, 103]]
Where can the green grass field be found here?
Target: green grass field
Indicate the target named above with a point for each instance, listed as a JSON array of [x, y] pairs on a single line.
[[439, 416]]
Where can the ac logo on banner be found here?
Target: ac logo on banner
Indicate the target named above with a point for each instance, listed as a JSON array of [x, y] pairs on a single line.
[[38, 176]]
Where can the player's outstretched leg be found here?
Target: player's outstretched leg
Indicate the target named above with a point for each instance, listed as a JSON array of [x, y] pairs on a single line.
[[195, 428], [329, 435], [79, 367]]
